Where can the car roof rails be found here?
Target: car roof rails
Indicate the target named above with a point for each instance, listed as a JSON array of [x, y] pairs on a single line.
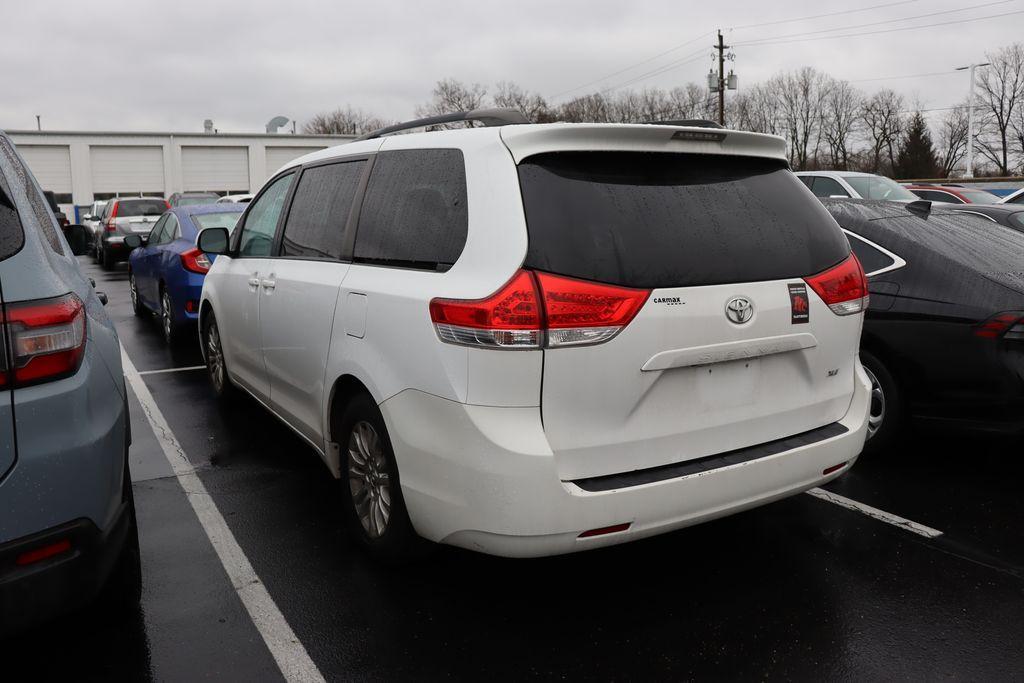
[[691, 123], [488, 117]]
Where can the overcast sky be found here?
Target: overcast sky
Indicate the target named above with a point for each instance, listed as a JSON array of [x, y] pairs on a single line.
[[143, 65]]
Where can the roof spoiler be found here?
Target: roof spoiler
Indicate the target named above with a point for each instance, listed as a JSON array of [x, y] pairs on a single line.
[[688, 123], [488, 117]]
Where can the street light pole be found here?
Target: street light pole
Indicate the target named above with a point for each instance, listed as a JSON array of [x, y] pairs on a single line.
[[970, 117]]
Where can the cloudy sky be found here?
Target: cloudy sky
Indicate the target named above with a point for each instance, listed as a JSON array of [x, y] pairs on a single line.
[[144, 65]]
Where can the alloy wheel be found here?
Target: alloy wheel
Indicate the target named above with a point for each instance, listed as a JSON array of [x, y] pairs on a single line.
[[132, 291], [876, 412], [214, 357], [368, 479], [165, 316]]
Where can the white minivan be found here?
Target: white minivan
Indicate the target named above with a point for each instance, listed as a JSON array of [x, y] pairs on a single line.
[[537, 339]]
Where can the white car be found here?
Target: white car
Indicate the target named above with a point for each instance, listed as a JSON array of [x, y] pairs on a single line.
[[92, 220], [537, 339], [1014, 198], [235, 199], [850, 184]]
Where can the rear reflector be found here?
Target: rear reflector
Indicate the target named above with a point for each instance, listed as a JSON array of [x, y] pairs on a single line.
[[834, 468], [537, 310], [43, 553], [843, 287], [47, 339], [615, 528], [1008, 325]]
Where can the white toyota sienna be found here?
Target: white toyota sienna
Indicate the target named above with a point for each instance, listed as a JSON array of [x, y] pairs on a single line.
[[537, 339]]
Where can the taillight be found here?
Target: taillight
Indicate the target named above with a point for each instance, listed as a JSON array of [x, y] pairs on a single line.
[[843, 287], [537, 310], [1008, 325], [195, 261], [46, 338], [111, 225]]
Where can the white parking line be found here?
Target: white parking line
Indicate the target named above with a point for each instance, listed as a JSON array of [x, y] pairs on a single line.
[[289, 653], [160, 372], [875, 513]]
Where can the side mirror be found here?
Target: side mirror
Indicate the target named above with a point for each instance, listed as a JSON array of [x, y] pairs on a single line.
[[89, 217], [134, 241], [77, 237], [213, 241], [102, 296]]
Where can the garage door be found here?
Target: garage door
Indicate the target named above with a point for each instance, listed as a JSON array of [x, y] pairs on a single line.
[[215, 169], [279, 156], [51, 165], [127, 170]]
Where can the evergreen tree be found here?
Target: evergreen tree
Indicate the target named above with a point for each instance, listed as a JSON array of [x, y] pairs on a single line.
[[917, 157]]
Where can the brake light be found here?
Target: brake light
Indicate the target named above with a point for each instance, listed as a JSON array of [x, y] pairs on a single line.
[[843, 287], [1008, 325], [46, 337], [43, 553], [111, 226], [195, 261], [537, 310]]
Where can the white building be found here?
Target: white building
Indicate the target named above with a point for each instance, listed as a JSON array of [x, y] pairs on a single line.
[[81, 167]]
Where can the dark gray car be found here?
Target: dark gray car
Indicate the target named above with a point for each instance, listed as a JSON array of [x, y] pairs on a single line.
[[67, 517]]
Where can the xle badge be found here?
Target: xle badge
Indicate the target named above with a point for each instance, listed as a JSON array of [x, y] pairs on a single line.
[[799, 305]]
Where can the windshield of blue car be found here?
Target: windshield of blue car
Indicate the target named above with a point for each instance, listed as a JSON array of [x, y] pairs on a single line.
[[880, 187], [217, 220]]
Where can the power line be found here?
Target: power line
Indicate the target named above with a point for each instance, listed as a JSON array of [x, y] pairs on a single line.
[[692, 57], [890, 30], [759, 41], [894, 78], [821, 16]]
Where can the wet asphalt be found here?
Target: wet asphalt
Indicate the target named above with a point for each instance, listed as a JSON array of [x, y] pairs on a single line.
[[800, 589]]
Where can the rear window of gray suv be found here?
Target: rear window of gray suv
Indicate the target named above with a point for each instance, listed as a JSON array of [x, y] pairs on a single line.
[[672, 220], [12, 237], [140, 207]]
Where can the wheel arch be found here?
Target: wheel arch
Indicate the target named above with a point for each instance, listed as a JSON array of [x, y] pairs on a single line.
[[344, 388]]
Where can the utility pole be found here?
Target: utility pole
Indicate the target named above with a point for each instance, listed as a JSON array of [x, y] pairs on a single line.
[[721, 78], [39, 123], [970, 118]]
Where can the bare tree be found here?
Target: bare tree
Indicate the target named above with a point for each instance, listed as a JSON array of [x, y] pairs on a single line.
[[881, 115], [841, 121], [450, 96], [1001, 88], [533, 106], [951, 140], [586, 108], [801, 96], [758, 110], [346, 121]]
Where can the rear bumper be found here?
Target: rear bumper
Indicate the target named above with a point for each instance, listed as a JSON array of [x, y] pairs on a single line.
[[485, 478], [40, 591]]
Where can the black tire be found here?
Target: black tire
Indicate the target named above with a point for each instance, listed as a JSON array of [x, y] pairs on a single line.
[[106, 259], [371, 491], [170, 328], [885, 418], [216, 370], [123, 589], [133, 291]]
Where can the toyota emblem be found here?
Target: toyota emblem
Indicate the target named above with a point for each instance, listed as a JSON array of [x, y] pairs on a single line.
[[739, 310]]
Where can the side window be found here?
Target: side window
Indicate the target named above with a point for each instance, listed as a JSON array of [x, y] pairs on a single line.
[[935, 196], [12, 236], [261, 222], [257, 236], [154, 234], [170, 230], [828, 187], [414, 214], [870, 258], [807, 180], [320, 209], [1019, 199]]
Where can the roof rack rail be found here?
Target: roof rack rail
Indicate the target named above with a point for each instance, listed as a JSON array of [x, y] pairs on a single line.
[[692, 123], [488, 117]]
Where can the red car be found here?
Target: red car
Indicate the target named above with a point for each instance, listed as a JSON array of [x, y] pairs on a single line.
[[953, 194]]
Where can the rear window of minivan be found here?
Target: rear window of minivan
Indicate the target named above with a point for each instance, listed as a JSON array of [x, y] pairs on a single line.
[[656, 220], [12, 237], [140, 207]]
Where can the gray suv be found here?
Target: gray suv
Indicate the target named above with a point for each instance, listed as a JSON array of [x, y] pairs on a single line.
[[121, 217], [67, 517]]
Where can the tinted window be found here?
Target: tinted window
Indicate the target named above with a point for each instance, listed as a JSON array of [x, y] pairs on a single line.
[[170, 231], [217, 220], [320, 210], [879, 187], [807, 180], [936, 196], [158, 229], [870, 258], [667, 220], [979, 196], [828, 187], [1019, 199], [140, 207], [261, 222], [414, 214], [195, 201], [12, 237]]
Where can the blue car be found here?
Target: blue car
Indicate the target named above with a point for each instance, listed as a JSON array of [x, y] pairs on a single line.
[[166, 270]]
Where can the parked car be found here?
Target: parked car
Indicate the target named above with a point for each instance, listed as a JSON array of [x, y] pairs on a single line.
[[191, 198], [51, 200], [125, 216], [67, 530], [857, 185], [536, 339], [1014, 197], [92, 220], [166, 270], [953, 194], [235, 199], [1009, 215], [943, 338]]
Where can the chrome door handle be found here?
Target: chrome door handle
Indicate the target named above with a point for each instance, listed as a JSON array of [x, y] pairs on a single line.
[[254, 282], [269, 284]]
